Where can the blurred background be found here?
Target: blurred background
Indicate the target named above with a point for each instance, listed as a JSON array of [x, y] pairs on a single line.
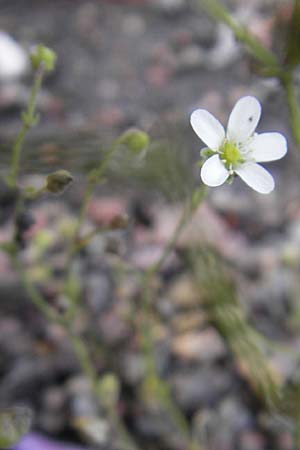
[[148, 64]]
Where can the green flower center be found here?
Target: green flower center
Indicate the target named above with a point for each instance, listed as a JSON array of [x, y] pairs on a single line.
[[231, 155]]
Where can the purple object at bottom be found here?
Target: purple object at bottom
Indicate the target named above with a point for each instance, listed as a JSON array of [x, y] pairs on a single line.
[[35, 441]]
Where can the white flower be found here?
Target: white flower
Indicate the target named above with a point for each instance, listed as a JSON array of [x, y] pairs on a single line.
[[239, 149]]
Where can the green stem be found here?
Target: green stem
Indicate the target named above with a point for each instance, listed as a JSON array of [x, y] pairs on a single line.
[[83, 357], [215, 9], [95, 176], [79, 347], [293, 104], [29, 119], [37, 299], [81, 351], [174, 238], [165, 396], [296, 431]]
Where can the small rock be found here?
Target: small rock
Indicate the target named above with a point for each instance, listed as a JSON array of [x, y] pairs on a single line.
[[133, 25], [99, 290], [251, 440], [200, 387], [185, 322], [133, 367], [191, 57], [157, 425], [53, 415], [219, 428], [225, 51], [103, 210], [182, 293], [199, 346], [158, 75], [170, 6]]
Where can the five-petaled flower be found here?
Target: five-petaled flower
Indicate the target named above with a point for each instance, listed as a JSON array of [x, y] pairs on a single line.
[[239, 149]]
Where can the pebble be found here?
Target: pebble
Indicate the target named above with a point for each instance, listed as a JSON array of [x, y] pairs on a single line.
[[98, 292], [202, 386], [219, 428], [202, 346], [252, 440], [170, 6], [182, 293]]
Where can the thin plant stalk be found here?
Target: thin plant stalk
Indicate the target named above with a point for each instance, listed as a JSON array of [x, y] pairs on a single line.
[[165, 396], [294, 107], [81, 351], [94, 177], [267, 59], [79, 348], [29, 119], [216, 10]]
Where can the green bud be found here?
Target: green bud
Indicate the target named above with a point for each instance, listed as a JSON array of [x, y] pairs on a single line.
[[14, 423], [136, 140], [119, 222], [57, 181], [109, 389], [30, 120], [230, 179], [43, 55], [206, 152]]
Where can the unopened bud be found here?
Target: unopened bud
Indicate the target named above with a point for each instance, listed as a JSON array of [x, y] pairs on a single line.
[[14, 423], [42, 55], [57, 181], [136, 140], [119, 222], [109, 389], [206, 153]]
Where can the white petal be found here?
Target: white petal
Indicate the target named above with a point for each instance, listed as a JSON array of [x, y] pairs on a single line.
[[268, 147], [213, 172], [256, 177], [208, 128], [13, 58], [243, 119]]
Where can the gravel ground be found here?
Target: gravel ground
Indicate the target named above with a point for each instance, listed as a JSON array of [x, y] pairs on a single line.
[[148, 64]]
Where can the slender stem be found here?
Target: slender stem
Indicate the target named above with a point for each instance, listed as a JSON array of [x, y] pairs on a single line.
[[293, 104], [79, 347], [37, 299], [84, 240], [296, 432], [83, 357], [81, 351], [215, 9], [95, 177], [28, 121], [165, 396], [174, 238]]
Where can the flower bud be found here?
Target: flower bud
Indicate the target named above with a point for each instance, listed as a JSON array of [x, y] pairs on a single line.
[[43, 55], [119, 222], [14, 423], [206, 152], [57, 181], [109, 389], [136, 140]]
